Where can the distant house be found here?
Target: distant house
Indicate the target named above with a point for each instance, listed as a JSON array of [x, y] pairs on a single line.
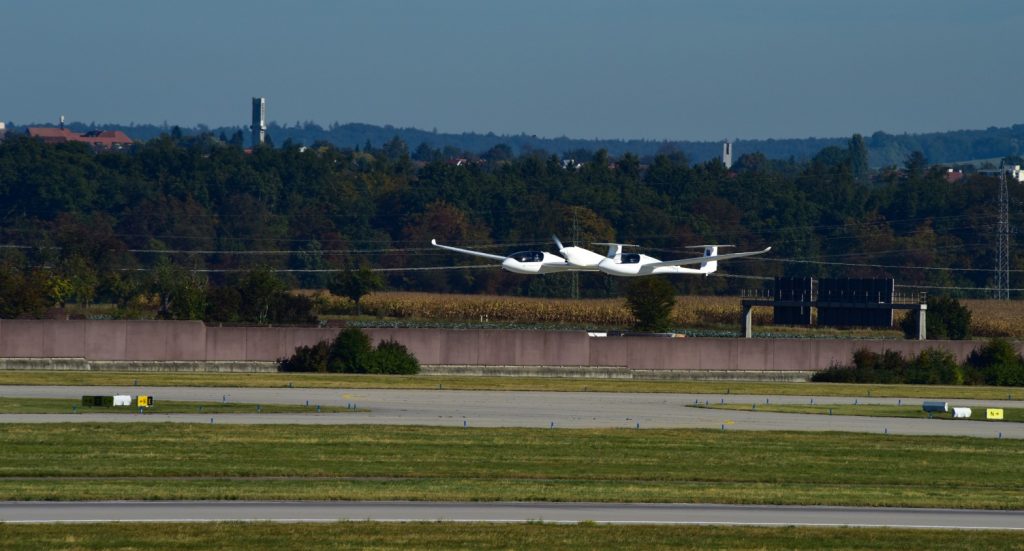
[[954, 175], [98, 139], [1013, 172]]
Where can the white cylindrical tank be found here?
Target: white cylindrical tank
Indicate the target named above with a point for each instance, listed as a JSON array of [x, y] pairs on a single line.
[[961, 413]]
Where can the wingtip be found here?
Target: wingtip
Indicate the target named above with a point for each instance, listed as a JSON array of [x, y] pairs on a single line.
[[434, 242]]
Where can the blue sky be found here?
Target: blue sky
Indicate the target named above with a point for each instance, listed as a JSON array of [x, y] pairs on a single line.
[[699, 70]]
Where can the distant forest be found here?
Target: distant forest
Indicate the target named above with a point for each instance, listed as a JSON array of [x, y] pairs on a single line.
[[883, 149], [81, 226]]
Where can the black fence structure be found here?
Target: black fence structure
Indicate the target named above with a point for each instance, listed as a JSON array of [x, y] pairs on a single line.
[[840, 302]]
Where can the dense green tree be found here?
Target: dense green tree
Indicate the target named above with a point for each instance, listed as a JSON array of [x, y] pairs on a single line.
[[915, 165], [857, 151], [650, 300], [945, 319], [350, 352], [260, 290], [355, 284]]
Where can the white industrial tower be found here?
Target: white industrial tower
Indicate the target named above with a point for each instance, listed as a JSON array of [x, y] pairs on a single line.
[[727, 154], [259, 121]]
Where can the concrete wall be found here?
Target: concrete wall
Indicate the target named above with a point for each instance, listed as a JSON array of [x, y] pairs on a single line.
[[193, 341]]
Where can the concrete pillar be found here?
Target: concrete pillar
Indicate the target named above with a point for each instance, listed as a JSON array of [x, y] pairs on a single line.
[[748, 321], [922, 326]]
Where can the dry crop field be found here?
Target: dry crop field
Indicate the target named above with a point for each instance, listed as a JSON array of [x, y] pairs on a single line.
[[612, 312], [990, 318], [996, 318]]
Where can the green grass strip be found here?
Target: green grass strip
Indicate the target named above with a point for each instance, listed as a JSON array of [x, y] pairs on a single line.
[[912, 411], [66, 405], [441, 535], [172, 461], [309, 380]]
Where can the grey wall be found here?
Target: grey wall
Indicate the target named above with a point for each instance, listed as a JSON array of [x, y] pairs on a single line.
[[194, 341]]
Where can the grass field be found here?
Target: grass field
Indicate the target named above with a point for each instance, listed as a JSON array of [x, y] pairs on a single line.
[[867, 410], [433, 535], [170, 461], [64, 405], [316, 380]]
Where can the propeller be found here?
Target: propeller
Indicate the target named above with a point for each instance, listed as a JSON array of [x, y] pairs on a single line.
[[557, 243]]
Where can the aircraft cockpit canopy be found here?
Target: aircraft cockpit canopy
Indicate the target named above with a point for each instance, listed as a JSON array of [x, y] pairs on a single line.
[[630, 258], [528, 256]]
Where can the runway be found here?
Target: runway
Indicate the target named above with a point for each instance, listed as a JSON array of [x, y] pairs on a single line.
[[611, 513], [521, 409]]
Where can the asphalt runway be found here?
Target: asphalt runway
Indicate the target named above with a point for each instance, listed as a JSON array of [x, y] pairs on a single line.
[[521, 409], [612, 513]]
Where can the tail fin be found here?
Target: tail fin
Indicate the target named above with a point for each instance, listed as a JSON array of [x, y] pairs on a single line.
[[710, 266]]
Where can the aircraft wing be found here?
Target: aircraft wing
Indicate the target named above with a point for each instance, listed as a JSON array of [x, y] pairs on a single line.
[[700, 259], [467, 251]]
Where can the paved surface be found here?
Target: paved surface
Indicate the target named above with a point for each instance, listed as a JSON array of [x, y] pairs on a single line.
[[508, 512], [521, 409]]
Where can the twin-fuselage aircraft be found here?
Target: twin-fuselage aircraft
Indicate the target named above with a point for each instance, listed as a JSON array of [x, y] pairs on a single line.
[[616, 262]]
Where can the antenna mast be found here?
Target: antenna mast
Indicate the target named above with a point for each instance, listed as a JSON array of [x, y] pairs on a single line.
[[1003, 242]]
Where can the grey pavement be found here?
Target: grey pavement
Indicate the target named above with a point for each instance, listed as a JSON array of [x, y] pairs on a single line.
[[521, 409], [614, 513]]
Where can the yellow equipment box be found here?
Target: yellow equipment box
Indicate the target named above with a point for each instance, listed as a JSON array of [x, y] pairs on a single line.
[[994, 413], [145, 401]]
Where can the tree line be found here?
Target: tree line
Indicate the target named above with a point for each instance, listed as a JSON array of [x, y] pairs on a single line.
[[182, 214], [886, 149]]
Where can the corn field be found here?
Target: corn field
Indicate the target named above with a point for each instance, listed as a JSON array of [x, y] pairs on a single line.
[[688, 311], [990, 318]]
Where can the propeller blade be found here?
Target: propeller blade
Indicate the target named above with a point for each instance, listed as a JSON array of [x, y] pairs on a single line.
[[557, 242]]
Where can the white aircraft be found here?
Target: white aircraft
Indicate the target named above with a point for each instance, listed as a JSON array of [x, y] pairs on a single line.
[[615, 263]]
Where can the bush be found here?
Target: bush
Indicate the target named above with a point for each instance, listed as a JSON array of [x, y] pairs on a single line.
[[996, 363], [868, 367], [946, 319], [393, 358], [307, 359], [351, 352], [934, 367]]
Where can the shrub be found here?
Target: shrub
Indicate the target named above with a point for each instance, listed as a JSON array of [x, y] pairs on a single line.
[[934, 367], [868, 367], [307, 359], [946, 319], [390, 357], [996, 363], [349, 352]]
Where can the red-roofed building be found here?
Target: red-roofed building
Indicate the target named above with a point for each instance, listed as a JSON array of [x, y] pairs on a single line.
[[98, 139]]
